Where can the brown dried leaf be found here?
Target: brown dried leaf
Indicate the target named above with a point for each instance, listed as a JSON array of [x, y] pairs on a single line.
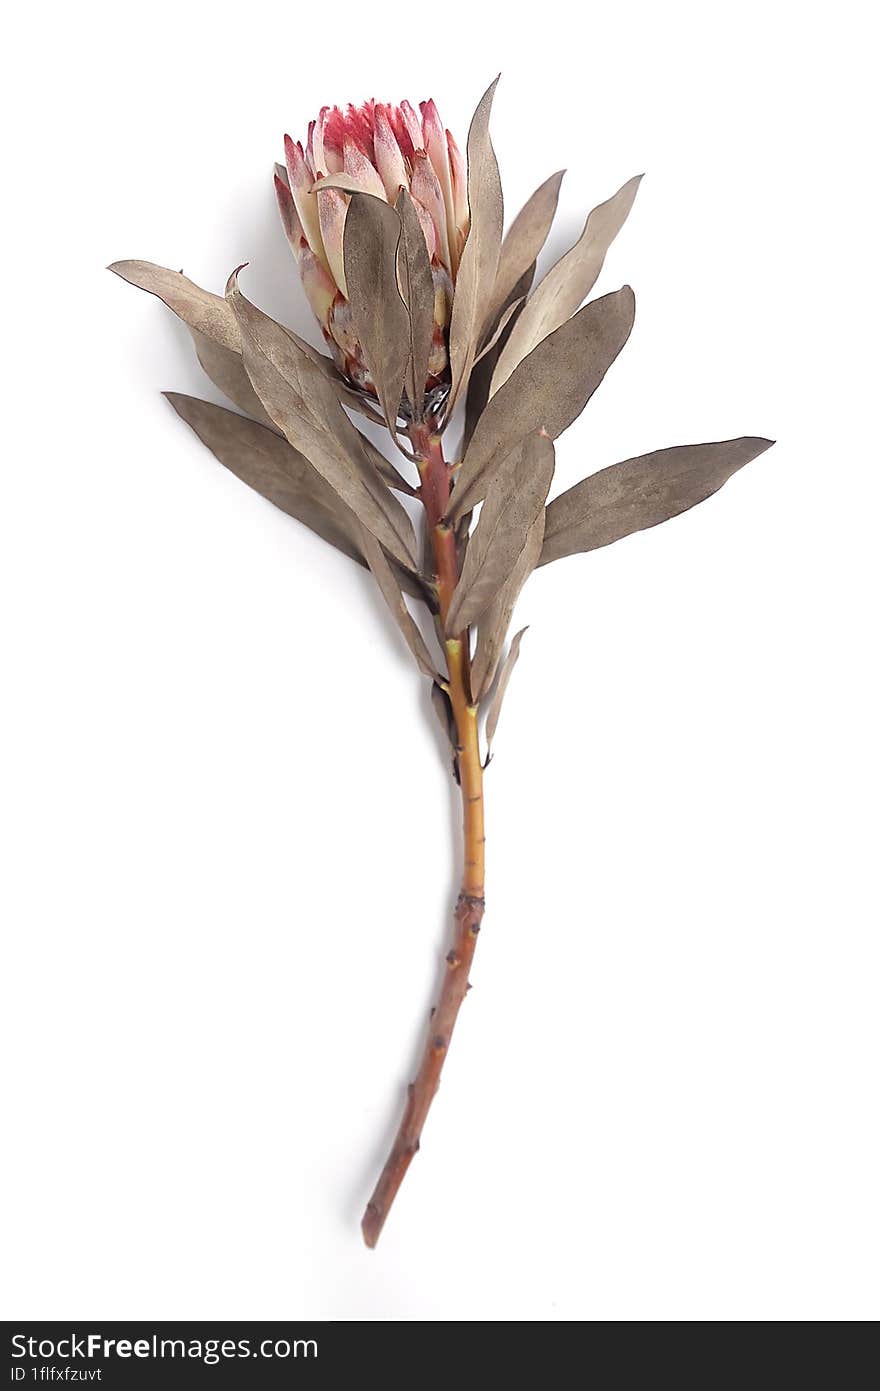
[[211, 317], [417, 288], [346, 183], [515, 498], [209, 314], [372, 235], [442, 707], [504, 676], [391, 593], [568, 283], [484, 366], [640, 493], [302, 403], [226, 370], [548, 390], [386, 470], [504, 318], [479, 259], [495, 621], [273, 468], [523, 243]]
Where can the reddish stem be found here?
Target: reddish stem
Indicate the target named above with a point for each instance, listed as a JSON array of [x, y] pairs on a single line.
[[434, 492]]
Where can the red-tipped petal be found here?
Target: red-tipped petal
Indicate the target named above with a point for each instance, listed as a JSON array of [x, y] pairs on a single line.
[[459, 185], [332, 207], [413, 125], [426, 189], [356, 164], [389, 160], [289, 219], [306, 204], [320, 289], [438, 154], [429, 231]]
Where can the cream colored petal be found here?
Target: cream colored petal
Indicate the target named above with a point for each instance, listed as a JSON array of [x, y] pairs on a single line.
[[359, 167], [435, 145], [459, 184], [426, 190], [318, 285], [332, 207], [289, 218], [413, 125], [319, 159], [332, 158], [305, 200], [428, 228], [390, 162]]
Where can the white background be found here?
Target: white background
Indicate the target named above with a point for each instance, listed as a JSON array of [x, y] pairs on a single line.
[[230, 828]]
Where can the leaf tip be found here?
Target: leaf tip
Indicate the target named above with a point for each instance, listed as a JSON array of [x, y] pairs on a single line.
[[232, 282]]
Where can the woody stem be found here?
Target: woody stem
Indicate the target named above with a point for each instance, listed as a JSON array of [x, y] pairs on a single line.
[[434, 492]]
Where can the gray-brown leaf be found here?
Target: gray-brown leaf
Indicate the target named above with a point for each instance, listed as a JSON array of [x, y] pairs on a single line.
[[209, 314], [484, 366], [523, 243], [640, 493], [568, 283], [211, 317], [417, 288], [479, 259], [226, 370], [548, 390], [391, 593], [442, 707], [515, 498], [495, 621], [504, 675], [501, 323], [273, 468], [371, 238], [301, 401]]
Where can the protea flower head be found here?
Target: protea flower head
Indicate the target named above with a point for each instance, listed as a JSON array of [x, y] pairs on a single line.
[[378, 149]]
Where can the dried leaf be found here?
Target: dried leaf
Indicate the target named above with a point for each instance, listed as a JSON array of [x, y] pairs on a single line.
[[354, 400], [479, 259], [207, 313], [442, 707], [504, 318], [504, 676], [226, 370], [484, 366], [548, 390], [344, 182], [386, 470], [302, 403], [273, 468], [568, 283], [417, 288], [391, 593], [641, 492], [495, 621], [523, 243], [515, 498], [211, 317], [372, 235]]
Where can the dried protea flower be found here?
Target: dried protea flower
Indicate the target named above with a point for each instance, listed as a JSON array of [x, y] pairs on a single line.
[[376, 149], [385, 221]]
